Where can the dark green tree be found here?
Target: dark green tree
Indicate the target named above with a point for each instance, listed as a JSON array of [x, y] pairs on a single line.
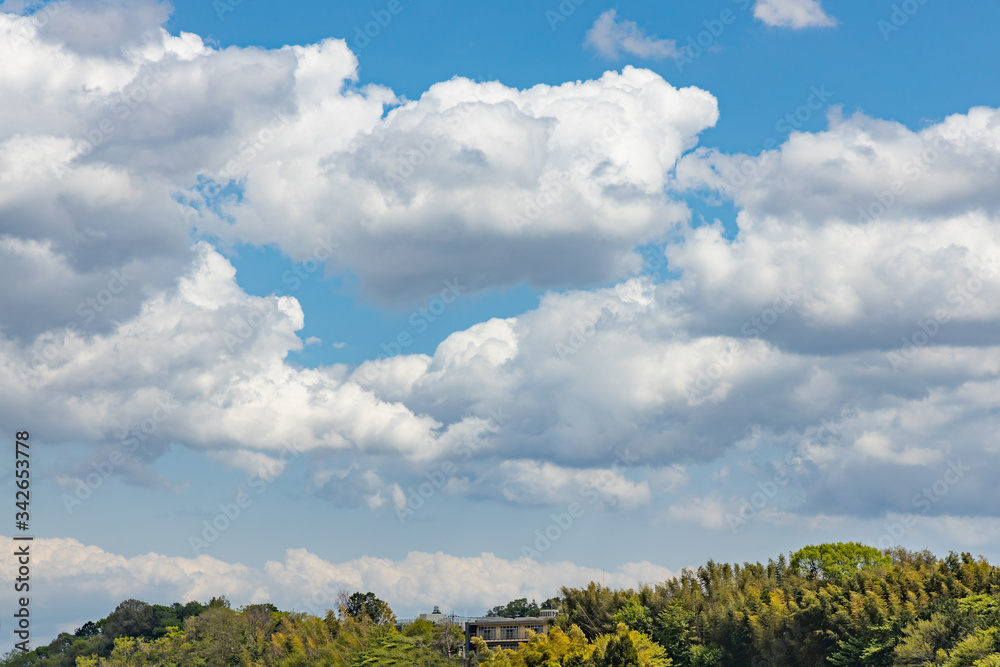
[[515, 609], [621, 652], [672, 630], [367, 606], [220, 602], [705, 656], [132, 618], [88, 629]]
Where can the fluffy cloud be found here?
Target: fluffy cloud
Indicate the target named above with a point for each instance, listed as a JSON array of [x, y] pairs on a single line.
[[610, 37], [536, 407], [708, 511], [862, 169], [532, 482], [559, 182], [555, 185], [877, 227], [68, 215], [229, 386], [879, 320], [793, 14], [108, 27]]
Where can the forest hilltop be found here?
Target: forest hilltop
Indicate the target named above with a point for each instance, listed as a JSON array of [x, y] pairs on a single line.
[[840, 605]]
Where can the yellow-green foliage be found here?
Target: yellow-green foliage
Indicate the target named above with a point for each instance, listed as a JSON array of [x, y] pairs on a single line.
[[651, 654], [842, 605], [553, 647], [257, 637], [559, 649]]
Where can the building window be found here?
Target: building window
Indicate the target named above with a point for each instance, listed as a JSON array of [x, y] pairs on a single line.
[[508, 632], [488, 633], [537, 629]]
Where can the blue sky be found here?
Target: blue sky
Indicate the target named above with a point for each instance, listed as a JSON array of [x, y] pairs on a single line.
[[496, 271]]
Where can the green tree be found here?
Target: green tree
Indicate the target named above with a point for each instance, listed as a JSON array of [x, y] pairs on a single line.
[[923, 642], [88, 629], [989, 661], [705, 656], [367, 606], [215, 635], [554, 647], [974, 649], [635, 615], [420, 630], [871, 648], [833, 562], [673, 632], [647, 652], [449, 638], [621, 652], [132, 618], [220, 602], [392, 649], [593, 608], [515, 609]]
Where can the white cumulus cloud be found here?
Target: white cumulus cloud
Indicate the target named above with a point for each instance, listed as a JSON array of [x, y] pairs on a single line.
[[611, 36], [793, 14]]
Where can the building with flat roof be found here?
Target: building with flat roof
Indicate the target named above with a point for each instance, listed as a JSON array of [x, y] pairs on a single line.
[[434, 617], [499, 632]]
